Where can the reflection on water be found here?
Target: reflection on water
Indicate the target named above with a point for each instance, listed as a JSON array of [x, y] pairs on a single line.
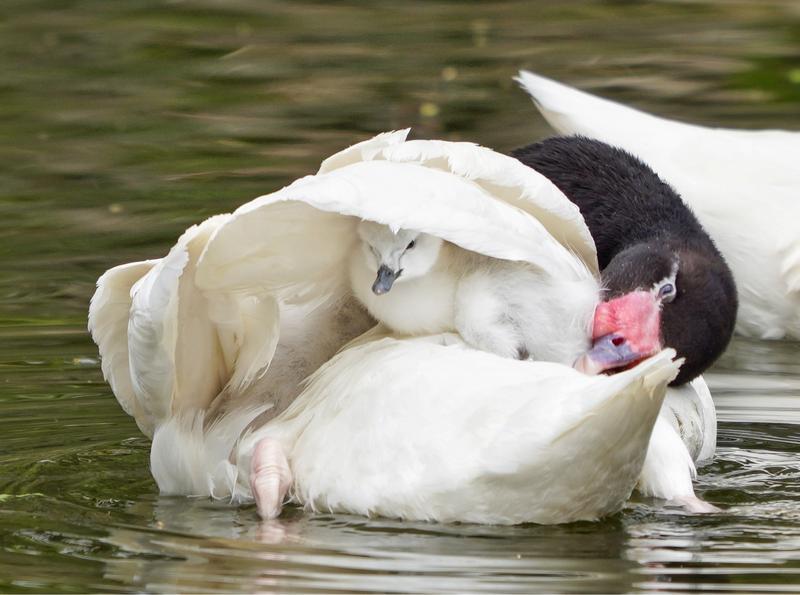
[[121, 123], [758, 382]]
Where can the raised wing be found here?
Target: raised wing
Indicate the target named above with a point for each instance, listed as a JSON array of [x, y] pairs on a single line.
[[299, 237]]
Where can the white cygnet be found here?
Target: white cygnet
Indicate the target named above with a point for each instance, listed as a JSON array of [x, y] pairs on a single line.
[[416, 284]]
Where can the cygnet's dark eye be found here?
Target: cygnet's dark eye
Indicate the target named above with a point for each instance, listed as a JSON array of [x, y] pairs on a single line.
[[666, 292], [411, 244]]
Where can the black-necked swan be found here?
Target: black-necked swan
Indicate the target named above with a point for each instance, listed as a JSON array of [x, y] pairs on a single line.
[[208, 349], [743, 185], [646, 237]]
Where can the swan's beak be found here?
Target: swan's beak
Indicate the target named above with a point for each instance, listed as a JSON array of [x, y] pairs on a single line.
[[626, 330], [384, 280], [607, 353]]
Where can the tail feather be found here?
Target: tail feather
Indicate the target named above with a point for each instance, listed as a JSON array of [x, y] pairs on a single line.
[[571, 111]]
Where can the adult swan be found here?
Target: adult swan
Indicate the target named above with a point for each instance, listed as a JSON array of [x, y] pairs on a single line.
[[208, 349]]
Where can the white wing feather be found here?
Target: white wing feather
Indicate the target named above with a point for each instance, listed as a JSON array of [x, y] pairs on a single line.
[[173, 348], [109, 312], [265, 247], [504, 179], [363, 151]]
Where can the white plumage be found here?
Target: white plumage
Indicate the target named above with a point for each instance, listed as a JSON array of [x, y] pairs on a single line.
[[428, 428], [743, 185], [684, 436], [418, 284], [208, 346]]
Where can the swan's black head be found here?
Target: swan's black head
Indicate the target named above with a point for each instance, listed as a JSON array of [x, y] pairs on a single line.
[[697, 295], [642, 229]]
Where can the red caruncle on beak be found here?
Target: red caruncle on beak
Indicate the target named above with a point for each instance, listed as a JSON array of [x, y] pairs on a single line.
[[626, 330]]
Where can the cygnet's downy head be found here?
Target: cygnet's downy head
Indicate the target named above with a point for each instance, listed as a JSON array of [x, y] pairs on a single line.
[[659, 296], [396, 255]]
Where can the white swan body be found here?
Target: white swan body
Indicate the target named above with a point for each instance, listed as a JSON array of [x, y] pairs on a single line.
[[519, 444], [207, 346], [744, 187]]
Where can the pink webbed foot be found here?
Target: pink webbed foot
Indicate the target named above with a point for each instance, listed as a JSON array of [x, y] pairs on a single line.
[[270, 477], [695, 504]]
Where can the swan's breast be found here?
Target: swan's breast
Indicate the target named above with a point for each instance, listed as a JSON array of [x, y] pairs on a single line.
[[415, 306]]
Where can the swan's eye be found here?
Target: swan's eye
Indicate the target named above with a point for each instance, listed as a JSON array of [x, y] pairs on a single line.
[[411, 244], [667, 292]]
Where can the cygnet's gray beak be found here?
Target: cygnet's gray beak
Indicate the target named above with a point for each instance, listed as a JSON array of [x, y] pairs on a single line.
[[384, 280]]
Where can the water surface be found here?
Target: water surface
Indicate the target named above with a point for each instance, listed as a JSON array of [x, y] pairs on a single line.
[[122, 123]]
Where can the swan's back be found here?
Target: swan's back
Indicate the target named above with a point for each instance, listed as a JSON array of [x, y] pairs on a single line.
[[522, 441], [751, 157]]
